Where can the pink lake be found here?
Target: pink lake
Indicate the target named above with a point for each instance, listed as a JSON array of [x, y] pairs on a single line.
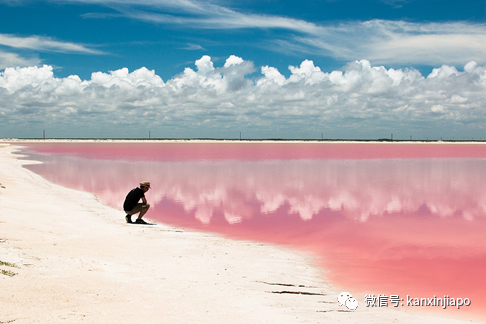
[[392, 219]]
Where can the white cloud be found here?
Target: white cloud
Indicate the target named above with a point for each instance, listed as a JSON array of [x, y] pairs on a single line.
[[380, 41], [233, 61], [361, 99], [396, 3], [44, 44], [216, 81], [201, 14], [194, 47], [399, 42], [11, 59], [16, 79], [272, 75], [35, 43]]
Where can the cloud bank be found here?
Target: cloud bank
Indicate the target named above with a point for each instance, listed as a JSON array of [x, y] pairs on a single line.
[[361, 101]]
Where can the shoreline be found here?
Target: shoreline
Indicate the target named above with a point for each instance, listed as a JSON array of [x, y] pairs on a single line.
[[275, 141], [76, 260]]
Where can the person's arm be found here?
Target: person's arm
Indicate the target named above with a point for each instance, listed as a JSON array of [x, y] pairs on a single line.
[[144, 200]]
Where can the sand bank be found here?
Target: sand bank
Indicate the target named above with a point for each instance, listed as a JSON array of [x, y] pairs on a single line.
[[67, 258]]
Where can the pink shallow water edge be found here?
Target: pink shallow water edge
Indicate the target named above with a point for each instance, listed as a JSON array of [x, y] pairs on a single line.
[[392, 219]]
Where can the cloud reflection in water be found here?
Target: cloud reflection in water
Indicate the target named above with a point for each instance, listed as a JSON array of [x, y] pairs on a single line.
[[392, 226]]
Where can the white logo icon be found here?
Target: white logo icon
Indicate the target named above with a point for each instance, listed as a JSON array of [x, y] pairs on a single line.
[[345, 299], [351, 303]]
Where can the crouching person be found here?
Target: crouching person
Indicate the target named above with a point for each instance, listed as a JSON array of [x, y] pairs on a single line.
[[132, 206]]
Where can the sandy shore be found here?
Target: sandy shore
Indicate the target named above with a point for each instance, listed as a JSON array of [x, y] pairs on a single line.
[[75, 260]]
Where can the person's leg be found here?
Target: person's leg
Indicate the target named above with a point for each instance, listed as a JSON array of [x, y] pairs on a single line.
[[143, 211], [138, 208]]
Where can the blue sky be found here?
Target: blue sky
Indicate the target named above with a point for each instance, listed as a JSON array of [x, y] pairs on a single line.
[[267, 68]]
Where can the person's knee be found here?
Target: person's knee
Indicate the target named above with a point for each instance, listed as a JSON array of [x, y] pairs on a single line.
[[147, 207]]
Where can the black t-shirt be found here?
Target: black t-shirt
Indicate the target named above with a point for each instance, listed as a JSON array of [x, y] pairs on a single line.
[[133, 198]]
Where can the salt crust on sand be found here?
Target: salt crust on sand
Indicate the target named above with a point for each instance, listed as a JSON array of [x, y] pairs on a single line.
[[77, 261]]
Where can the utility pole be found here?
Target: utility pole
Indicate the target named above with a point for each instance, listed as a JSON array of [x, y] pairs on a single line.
[[44, 134], [240, 136]]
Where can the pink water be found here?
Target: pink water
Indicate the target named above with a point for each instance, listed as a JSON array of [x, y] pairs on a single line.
[[380, 218]]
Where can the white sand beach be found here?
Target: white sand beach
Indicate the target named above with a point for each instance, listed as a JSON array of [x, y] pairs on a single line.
[[67, 258]]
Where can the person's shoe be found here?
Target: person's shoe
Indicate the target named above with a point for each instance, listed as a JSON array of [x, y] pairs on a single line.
[[140, 221], [129, 219]]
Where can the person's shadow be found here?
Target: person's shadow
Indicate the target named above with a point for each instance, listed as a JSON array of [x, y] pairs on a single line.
[[149, 224]]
